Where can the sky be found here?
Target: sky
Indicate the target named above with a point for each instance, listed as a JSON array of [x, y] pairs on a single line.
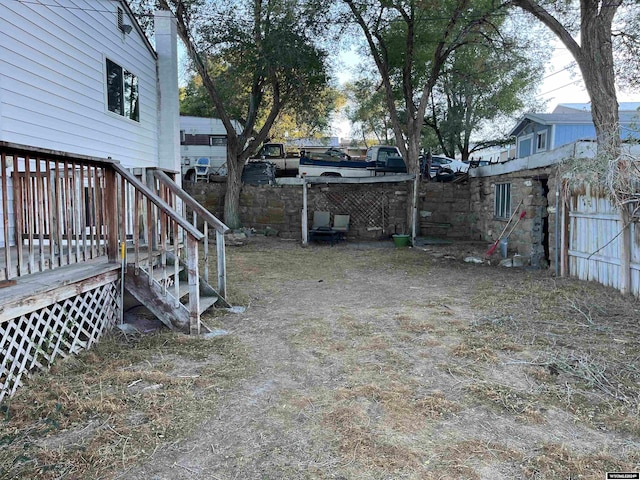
[[562, 84]]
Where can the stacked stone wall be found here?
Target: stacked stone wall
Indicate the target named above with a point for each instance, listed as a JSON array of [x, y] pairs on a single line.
[[443, 208]]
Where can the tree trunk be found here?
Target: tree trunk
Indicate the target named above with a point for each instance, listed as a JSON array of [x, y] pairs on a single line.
[[413, 167], [234, 185], [595, 59], [596, 65]]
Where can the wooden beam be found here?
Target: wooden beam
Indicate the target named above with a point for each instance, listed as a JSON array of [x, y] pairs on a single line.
[[194, 287], [192, 202], [222, 265], [625, 252], [5, 217], [111, 205]]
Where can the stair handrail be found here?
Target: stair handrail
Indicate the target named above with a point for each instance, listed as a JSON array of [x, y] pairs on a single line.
[[208, 218], [158, 202], [191, 202]]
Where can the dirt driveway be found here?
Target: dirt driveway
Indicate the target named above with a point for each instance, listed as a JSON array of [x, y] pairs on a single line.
[[357, 362]]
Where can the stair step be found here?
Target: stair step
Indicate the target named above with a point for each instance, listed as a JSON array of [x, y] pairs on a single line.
[[170, 270], [207, 302]]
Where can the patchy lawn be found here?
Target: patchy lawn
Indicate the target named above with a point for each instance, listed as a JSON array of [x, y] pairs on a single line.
[[352, 361]]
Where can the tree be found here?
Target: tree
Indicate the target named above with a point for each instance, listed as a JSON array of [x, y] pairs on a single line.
[[481, 84], [367, 112], [290, 123], [410, 42], [255, 58], [594, 55]]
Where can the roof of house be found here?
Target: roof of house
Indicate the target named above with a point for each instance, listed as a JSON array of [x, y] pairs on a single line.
[[575, 118], [586, 107], [136, 25]]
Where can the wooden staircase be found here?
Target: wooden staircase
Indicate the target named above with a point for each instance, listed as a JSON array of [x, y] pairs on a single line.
[[165, 293], [162, 264]]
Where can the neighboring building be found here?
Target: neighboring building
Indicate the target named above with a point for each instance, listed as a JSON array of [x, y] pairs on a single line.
[[541, 132], [203, 141], [577, 232]]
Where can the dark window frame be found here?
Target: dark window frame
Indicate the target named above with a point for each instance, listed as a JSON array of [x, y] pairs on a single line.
[[123, 91]]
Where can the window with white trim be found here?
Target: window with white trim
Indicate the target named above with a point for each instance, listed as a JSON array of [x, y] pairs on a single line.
[[502, 205], [122, 92], [541, 141], [217, 141]]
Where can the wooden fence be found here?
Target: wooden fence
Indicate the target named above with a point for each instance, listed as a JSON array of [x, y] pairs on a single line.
[[603, 243]]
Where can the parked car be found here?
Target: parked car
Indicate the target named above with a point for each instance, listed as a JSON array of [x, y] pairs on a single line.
[[441, 165], [334, 152]]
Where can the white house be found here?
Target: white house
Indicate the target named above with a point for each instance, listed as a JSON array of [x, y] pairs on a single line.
[[80, 76], [89, 139]]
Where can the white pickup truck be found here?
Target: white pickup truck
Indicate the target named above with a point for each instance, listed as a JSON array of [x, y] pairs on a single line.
[[380, 160]]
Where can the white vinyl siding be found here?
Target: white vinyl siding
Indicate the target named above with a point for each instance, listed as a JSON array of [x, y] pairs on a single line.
[[53, 92]]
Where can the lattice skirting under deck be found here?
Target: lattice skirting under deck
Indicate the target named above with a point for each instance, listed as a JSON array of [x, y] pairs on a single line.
[[33, 341]]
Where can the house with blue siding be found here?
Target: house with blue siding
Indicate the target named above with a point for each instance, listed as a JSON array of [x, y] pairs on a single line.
[[541, 132]]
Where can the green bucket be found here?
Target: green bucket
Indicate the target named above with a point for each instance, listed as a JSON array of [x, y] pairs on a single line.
[[401, 240]]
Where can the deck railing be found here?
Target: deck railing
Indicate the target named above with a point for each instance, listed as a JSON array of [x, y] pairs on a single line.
[[59, 210]]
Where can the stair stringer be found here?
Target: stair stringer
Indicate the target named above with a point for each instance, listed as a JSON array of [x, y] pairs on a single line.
[[161, 304], [205, 288]]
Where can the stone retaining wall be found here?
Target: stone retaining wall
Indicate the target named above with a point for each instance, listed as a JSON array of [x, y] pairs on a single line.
[[535, 235], [376, 210]]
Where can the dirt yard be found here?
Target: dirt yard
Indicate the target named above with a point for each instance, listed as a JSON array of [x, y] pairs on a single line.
[[352, 362]]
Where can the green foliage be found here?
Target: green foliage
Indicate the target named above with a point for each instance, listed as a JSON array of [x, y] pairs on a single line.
[[367, 112], [483, 82]]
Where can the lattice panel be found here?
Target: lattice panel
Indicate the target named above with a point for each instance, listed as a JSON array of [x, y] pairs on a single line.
[[365, 208], [35, 340]]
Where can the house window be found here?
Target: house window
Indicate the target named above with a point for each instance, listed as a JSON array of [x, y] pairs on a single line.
[[502, 206], [541, 141], [122, 92], [183, 137], [217, 141]]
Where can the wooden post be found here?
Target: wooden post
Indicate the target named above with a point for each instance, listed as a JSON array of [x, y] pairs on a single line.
[[194, 287], [5, 218], [414, 210], [625, 252], [305, 218], [18, 209], [564, 239], [205, 260], [222, 264], [29, 211], [111, 207], [39, 207]]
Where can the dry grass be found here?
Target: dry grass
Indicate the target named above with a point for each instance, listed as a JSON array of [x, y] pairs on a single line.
[[424, 381], [579, 336], [553, 461], [109, 408]]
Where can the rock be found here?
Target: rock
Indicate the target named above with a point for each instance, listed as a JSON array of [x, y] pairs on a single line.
[[271, 232], [507, 262], [472, 259], [215, 333], [520, 261]]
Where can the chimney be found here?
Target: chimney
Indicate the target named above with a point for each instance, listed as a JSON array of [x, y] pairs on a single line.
[[168, 105]]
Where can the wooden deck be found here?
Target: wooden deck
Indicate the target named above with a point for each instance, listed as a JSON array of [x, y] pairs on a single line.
[[36, 291]]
